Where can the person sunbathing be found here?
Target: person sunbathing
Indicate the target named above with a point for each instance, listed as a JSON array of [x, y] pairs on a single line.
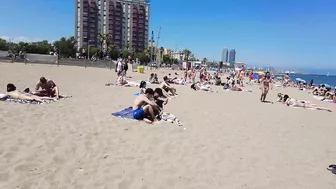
[[154, 79], [143, 107], [121, 81], [46, 88], [167, 88], [302, 104], [198, 87], [13, 93]]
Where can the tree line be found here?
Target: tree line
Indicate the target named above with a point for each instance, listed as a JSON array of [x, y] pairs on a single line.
[[66, 47]]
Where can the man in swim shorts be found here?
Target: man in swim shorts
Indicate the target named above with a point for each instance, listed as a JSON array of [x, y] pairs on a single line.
[[46, 88], [143, 107]]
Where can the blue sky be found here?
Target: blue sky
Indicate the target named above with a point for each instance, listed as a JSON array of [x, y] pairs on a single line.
[[293, 34]]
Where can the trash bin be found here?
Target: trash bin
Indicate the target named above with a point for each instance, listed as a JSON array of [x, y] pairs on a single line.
[[141, 69]]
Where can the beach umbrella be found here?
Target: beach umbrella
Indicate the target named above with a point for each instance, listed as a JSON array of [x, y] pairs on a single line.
[[261, 73], [301, 80], [326, 85], [256, 76]]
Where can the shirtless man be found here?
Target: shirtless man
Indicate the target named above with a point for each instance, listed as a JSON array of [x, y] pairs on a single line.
[[265, 85], [143, 107], [46, 88], [13, 93], [167, 88]]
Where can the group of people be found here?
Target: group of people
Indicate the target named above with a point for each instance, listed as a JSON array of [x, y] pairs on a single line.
[[148, 105], [326, 92], [45, 90]]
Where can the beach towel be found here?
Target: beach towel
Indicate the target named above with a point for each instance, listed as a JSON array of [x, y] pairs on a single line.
[[110, 84], [7, 99], [127, 113], [321, 98]]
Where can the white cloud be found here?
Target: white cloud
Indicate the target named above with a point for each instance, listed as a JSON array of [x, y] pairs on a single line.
[[19, 39]]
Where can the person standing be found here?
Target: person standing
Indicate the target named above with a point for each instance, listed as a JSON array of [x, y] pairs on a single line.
[[125, 66], [265, 85], [119, 66]]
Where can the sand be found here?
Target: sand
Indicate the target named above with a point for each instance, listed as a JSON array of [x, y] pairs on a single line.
[[228, 140]]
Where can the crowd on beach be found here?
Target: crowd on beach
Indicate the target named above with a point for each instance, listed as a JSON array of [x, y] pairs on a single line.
[[146, 109], [148, 105]]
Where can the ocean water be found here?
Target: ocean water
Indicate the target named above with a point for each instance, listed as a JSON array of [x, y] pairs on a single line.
[[318, 79]]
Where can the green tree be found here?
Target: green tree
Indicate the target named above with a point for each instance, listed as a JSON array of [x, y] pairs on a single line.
[[94, 51], [102, 39], [187, 54], [66, 47], [3, 45], [126, 53], [166, 59], [204, 61]]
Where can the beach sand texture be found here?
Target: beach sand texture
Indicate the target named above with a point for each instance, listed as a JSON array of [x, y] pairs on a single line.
[[228, 139]]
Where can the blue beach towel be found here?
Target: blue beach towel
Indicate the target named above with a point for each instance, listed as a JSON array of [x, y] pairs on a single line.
[[126, 113], [137, 94]]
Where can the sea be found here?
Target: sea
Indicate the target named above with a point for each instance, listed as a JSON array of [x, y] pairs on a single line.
[[318, 79]]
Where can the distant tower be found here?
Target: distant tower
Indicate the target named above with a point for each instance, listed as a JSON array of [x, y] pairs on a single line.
[[225, 55], [232, 57]]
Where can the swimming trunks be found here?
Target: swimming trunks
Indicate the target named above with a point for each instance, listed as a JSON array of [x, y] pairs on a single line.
[[139, 114], [48, 93]]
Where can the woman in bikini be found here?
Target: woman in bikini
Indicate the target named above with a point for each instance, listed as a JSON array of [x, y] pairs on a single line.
[[265, 85], [193, 74], [186, 74]]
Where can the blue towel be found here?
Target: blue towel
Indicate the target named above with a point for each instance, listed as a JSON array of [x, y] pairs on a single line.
[[126, 113], [137, 94]]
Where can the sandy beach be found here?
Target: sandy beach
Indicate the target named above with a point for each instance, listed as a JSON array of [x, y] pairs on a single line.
[[228, 139]]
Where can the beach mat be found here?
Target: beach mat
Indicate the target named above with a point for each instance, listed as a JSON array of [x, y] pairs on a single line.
[[7, 99], [127, 113]]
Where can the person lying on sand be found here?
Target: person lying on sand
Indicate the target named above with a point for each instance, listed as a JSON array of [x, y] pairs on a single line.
[[47, 88], [167, 88], [300, 104], [199, 87], [13, 93], [143, 107], [121, 81]]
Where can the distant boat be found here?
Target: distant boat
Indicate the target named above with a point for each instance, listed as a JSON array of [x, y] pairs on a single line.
[[328, 74]]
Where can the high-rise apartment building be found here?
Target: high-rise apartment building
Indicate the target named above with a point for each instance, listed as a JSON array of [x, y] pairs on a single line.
[[225, 55], [232, 56], [126, 22]]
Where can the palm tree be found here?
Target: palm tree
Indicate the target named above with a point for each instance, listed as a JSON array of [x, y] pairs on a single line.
[[102, 39], [186, 53], [161, 54], [204, 60]]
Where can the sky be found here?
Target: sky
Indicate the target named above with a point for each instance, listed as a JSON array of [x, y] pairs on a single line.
[[286, 34]]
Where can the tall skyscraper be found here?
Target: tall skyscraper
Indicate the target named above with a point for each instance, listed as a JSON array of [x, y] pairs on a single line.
[[232, 56], [225, 55], [126, 22]]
